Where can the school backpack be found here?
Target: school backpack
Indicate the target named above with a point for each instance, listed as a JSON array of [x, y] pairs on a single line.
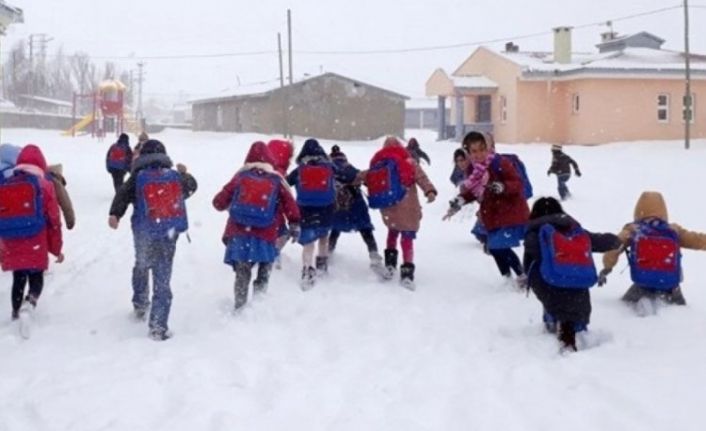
[[117, 158], [384, 185], [567, 260], [160, 210], [315, 187], [521, 171], [21, 206], [255, 199], [655, 256]]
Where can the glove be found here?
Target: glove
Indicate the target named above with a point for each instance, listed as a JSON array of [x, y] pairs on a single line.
[[431, 197], [496, 187], [549, 173], [454, 207], [294, 232], [578, 173], [603, 277]]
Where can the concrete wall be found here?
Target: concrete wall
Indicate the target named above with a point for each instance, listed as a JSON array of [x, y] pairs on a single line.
[[34, 121]]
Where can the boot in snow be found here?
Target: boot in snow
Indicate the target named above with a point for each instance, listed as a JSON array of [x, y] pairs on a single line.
[[308, 278], [160, 334], [376, 263], [407, 276], [390, 263], [322, 265], [567, 336], [263, 278], [243, 273]]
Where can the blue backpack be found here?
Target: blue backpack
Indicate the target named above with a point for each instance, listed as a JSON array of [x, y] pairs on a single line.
[[21, 207], [385, 188], [255, 199], [117, 158], [521, 171], [654, 255], [160, 209], [567, 259], [315, 187]]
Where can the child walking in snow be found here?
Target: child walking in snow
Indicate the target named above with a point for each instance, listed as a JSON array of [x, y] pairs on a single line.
[[30, 227], [118, 160], [281, 151], [560, 268], [351, 209], [157, 193], [392, 182], [653, 248], [316, 195], [561, 166], [258, 199]]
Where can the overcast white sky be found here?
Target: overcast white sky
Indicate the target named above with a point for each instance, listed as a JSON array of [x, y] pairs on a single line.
[[177, 27]]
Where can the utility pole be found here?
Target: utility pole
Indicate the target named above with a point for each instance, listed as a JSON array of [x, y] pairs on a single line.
[[289, 32], [688, 114], [285, 119], [140, 80], [281, 67]]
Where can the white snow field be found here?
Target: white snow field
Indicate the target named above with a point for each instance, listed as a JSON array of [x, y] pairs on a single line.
[[463, 352]]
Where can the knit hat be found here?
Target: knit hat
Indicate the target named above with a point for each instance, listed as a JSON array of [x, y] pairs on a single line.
[[153, 146], [259, 153], [556, 147], [32, 155], [123, 138]]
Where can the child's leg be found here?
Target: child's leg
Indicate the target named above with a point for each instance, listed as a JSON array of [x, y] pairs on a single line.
[[333, 239], [36, 284], [243, 273], [407, 244], [163, 260], [308, 255], [140, 274], [322, 258], [263, 277], [19, 279], [501, 261], [369, 239], [514, 262], [391, 253], [392, 236]]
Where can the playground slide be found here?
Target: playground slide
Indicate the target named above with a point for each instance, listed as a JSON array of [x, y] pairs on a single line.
[[85, 121]]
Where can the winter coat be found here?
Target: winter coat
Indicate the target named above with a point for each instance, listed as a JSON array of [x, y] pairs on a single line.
[[125, 146], [259, 162], [352, 210], [651, 205], [457, 176], [508, 208], [127, 194], [571, 305], [33, 253], [406, 215], [67, 208], [8, 159], [562, 163], [281, 152], [313, 217]]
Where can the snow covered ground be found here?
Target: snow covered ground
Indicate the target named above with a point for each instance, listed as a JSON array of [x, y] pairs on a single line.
[[463, 352]]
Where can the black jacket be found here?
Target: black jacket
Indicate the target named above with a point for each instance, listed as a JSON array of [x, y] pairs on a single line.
[[571, 305], [126, 194], [562, 163]]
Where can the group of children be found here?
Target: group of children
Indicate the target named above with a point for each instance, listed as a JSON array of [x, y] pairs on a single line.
[[322, 197], [557, 264]]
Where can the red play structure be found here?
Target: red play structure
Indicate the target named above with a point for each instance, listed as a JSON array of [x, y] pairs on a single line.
[[108, 110]]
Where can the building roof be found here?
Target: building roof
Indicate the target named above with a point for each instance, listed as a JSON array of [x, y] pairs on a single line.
[[46, 100], [423, 103], [269, 87], [476, 82]]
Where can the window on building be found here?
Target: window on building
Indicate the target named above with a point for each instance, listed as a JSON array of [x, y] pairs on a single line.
[[484, 109], [663, 108], [503, 109], [575, 103], [693, 108]]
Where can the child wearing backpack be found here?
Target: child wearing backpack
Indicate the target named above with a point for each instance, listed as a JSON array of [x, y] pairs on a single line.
[[316, 198], [560, 268], [258, 199], [30, 227], [392, 182], [118, 160], [561, 167], [157, 193], [497, 183], [653, 246], [282, 152], [351, 209]]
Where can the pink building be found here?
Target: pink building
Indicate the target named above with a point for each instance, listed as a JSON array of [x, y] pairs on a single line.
[[630, 89]]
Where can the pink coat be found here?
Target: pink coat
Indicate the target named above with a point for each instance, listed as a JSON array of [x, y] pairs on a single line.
[[33, 252]]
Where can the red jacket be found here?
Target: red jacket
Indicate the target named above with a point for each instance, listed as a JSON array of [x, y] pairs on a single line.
[[33, 252], [507, 209]]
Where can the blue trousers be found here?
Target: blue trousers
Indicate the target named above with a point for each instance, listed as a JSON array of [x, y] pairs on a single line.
[[156, 255], [562, 179]]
